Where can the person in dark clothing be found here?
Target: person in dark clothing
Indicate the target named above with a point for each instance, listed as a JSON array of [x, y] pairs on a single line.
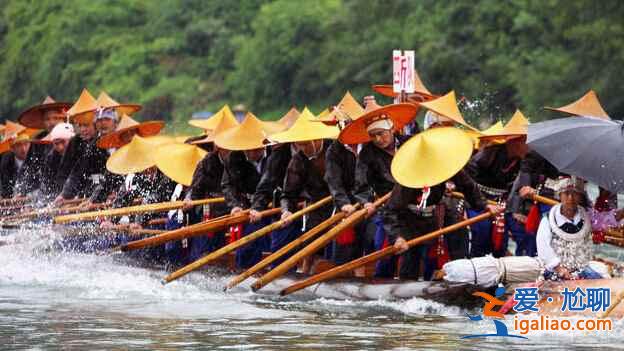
[[17, 140], [495, 168], [373, 177], [59, 138], [73, 152]]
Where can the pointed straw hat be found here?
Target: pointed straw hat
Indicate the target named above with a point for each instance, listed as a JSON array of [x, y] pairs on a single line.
[[126, 123], [105, 101], [85, 103], [348, 109], [33, 117], [137, 155], [15, 133], [305, 129], [588, 106], [517, 127], [290, 117], [419, 88], [356, 132], [250, 134], [212, 122], [178, 161], [225, 122], [446, 106], [431, 157]]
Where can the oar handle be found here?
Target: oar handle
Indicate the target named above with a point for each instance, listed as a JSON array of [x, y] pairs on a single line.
[[245, 240]]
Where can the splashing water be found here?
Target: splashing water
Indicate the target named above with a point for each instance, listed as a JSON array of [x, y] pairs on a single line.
[[51, 298]]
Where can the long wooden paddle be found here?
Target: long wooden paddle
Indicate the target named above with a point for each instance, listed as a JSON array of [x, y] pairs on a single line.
[[189, 231], [378, 255], [12, 201], [244, 240], [51, 212], [286, 249], [316, 245], [124, 211]]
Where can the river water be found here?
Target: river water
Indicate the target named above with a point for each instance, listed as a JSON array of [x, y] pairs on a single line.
[[51, 299]]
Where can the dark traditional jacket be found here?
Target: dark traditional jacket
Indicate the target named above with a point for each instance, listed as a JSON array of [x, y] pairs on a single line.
[[534, 170], [491, 167], [87, 173], [240, 179], [49, 187], [340, 174], [8, 174], [207, 183], [72, 153], [269, 188], [305, 180], [373, 165], [30, 175], [149, 189], [400, 220]]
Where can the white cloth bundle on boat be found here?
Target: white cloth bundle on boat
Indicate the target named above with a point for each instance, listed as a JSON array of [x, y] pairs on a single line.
[[488, 271]]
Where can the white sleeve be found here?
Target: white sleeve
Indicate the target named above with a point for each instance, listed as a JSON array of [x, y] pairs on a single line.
[[544, 249]]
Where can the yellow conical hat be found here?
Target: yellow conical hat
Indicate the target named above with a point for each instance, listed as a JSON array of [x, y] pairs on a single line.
[[447, 107], [249, 135], [516, 127], [305, 129], [290, 117], [178, 161], [225, 123], [15, 132], [85, 103], [104, 100], [1, 129], [126, 123], [431, 157], [269, 127], [588, 105], [347, 109], [419, 88], [494, 128], [212, 122], [136, 156]]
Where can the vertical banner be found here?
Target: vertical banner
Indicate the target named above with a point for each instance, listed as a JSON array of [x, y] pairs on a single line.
[[403, 71]]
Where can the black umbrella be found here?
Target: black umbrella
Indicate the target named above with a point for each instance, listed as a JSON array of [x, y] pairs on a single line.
[[587, 147]]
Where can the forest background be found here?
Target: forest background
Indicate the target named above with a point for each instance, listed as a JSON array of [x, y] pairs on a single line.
[[177, 57]]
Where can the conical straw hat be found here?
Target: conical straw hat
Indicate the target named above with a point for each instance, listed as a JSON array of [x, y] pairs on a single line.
[[15, 132], [33, 117], [178, 161], [85, 103], [127, 123], [105, 101], [348, 109], [249, 135], [136, 156], [212, 122], [305, 129], [290, 117], [431, 157], [225, 123], [516, 127], [356, 132], [588, 106], [1, 130], [447, 107], [419, 88]]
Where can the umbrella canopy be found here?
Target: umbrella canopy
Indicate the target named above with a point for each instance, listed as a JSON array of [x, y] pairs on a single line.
[[590, 148]]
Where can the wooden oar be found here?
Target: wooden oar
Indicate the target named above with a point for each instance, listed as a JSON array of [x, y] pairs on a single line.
[[378, 255], [51, 212], [124, 211], [192, 230], [11, 201], [316, 245], [244, 240], [534, 197], [284, 250]]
